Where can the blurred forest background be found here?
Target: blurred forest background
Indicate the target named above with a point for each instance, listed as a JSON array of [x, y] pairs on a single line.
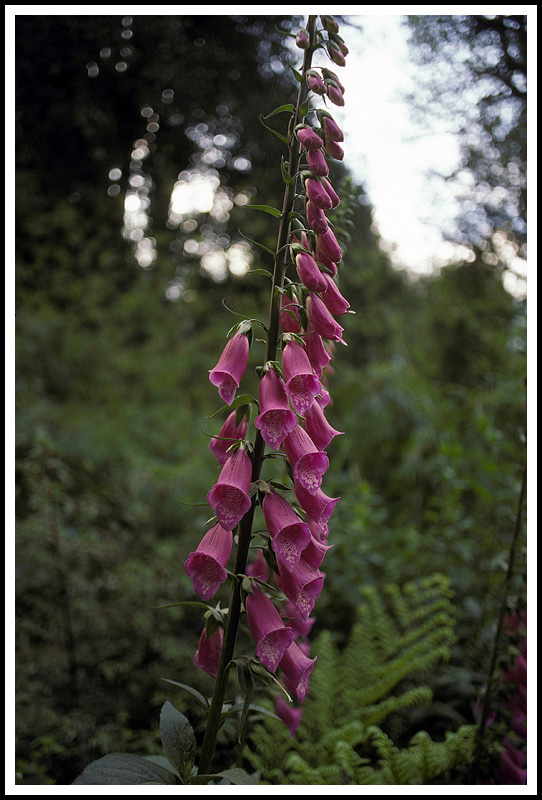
[[121, 289]]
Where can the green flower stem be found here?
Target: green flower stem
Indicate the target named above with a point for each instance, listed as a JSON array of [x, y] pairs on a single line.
[[245, 526]]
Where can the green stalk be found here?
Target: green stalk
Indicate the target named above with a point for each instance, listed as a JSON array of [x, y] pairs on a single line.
[[245, 526]]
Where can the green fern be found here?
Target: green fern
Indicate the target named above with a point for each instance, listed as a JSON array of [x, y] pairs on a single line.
[[399, 634]]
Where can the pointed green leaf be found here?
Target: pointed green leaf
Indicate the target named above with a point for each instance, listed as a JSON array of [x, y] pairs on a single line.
[[288, 180], [258, 244], [242, 400], [287, 107], [297, 75], [277, 134], [261, 272], [190, 689], [124, 769], [268, 209], [177, 736]]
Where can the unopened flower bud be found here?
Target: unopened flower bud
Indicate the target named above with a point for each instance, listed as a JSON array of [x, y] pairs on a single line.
[[331, 76], [339, 42], [308, 137], [334, 150], [335, 54], [329, 126], [316, 219], [334, 93], [330, 23], [317, 163], [317, 193], [316, 84], [335, 199], [302, 38]]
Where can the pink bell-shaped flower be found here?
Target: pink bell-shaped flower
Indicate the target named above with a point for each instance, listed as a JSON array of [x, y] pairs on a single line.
[[322, 320], [296, 670], [229, 496], [300, 627], [302, 385], [317, 163], [289, 714], [276, 419], [333, 299], [334, 197], [258, 568], [229, 433], [289, 534], [302, 586], [289, 315], [317, 194], [272, 637], [315, 551], [310, 274], [206, 566], [317, 505], [317, 353], [316, 219], [207, 657], [231, 366], [309, 464], [329, 247]]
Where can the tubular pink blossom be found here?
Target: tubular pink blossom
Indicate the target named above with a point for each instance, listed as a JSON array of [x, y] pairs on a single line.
[[316, 219], [302, 586], [206, 566], [333, 299], [334, 150], [317, 163], [318, 428], [309, 138], [328, 246], [229, 496], [300, 627], [315, 551], [317, 353], [289, 534], [302, 385], [231, 367], [335, 199], [289, 714], [272, 637], [229, 433], [322, 320], [309, 464], [207, 657], [289, 315], [296, 670], [310, 274], [276, 419], [259, 568], [317, 194], [318, 506]]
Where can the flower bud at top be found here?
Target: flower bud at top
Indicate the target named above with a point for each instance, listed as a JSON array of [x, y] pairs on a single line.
[[339, 42], [331, 76], [317, 194], [302, 38], [335, 54], [334, 150], [330, 23], [308, 137]]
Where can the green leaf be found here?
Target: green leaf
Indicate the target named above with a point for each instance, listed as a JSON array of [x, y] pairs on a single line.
[[304, 109], [288, 180], [190, 689], [287, 107], [124, 769], [268, 209], [237, 776], [297, 75], [258, 244], [178, 739], [261, 272], [186, 602], [277, 134], [242, 400], [162, 761], [246, 683]]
